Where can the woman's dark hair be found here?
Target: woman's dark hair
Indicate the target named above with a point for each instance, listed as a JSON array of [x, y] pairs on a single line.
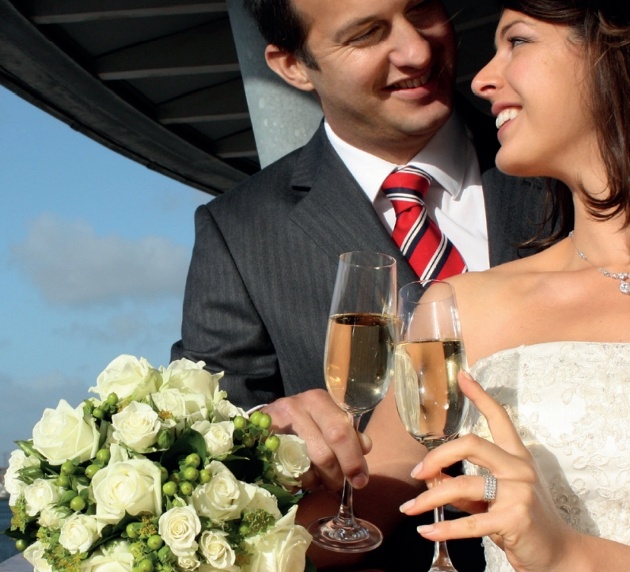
[[603, 29], [283, 26]]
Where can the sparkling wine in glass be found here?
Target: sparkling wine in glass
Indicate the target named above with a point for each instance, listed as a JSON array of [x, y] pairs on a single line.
[[429, 356], [358, 368]]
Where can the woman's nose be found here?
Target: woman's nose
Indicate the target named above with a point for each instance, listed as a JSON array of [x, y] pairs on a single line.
[[485, 83]]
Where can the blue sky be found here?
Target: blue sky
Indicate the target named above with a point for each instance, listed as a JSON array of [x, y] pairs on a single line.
[[94, 250]]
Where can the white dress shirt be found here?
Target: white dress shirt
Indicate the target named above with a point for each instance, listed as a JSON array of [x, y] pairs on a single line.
[[454, 199]]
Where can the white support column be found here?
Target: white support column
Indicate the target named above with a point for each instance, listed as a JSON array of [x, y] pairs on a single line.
[[283, 117]]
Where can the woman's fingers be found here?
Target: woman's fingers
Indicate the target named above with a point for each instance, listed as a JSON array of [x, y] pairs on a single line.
[[480, 452], [503, 431]]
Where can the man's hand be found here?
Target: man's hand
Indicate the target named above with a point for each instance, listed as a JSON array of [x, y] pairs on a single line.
[[334, 447]]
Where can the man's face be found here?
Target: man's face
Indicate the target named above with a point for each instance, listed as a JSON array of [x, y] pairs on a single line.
[[385, 73]]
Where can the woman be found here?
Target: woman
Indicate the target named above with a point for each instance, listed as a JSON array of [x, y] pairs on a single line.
[[549, 335]]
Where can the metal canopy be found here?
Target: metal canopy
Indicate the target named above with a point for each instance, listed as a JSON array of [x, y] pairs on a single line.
[[159, 81]]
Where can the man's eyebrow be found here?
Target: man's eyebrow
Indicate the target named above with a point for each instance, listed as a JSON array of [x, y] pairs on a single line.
[[353, 24]]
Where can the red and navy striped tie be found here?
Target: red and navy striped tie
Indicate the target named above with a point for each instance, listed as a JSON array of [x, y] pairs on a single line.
[[428, 251]]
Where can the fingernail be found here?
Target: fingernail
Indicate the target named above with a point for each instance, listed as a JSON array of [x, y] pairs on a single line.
[[359, 481], [425, 529], [403, 507], [416, 470]]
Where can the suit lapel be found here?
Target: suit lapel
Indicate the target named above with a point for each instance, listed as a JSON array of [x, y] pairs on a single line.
[[333, 210]]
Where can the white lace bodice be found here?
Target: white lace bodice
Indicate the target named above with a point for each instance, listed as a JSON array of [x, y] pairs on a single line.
[[570, 402]]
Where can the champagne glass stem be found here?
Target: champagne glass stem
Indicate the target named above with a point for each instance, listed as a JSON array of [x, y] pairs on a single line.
[[441, 559], [345, 516]]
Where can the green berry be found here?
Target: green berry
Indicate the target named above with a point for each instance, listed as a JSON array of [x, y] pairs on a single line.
[[255, 418], [204, 476], [193, 460], [67, 468], [21, 544], [169, 488], [77, 504], [132, 530], [248, 440], [155, 542], [191, 474], [186, 488], [103, 456], [265, 421], [112, 399], [239, 422], [272, 442], [63, 481], [91, 470], [145, 565], [98, 413]]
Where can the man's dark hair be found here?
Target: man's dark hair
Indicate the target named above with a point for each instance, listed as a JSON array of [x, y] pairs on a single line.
[[283, 26]]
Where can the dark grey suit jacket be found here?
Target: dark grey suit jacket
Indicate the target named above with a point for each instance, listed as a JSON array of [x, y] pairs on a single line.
[[263, 266]]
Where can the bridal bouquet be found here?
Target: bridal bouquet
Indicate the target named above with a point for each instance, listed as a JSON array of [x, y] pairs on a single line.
[[159, 473]]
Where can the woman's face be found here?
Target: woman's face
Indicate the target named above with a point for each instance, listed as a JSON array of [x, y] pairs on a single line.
[[537, 85]]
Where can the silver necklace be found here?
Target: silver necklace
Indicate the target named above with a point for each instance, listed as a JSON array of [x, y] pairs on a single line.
[[623, 277]]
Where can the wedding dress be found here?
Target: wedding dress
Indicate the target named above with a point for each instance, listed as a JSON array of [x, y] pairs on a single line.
[[570, 402]]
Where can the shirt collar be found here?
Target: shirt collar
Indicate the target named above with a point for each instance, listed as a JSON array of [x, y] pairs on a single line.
[[441, 158]]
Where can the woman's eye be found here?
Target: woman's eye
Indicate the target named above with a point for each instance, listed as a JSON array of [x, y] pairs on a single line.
[[516, 41]]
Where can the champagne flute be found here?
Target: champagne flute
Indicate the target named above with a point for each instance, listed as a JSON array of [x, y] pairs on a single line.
[[429, 356], [358, 367]]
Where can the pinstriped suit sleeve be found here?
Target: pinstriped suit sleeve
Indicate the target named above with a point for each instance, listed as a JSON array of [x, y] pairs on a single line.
[[211, 331]]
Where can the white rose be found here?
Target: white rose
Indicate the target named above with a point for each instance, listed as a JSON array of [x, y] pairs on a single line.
[[196, 407], [191, 377], [65, 434], [220, 499], [115, 556], [217, 550], [127, 376], [137, 426], [78, 533], [218, 436], [225, 410], [133, 486], [34, 555], [290, 461], [179, 528], [182, 406], [12, 483], [40, 495], [53, 517], [188, 563], [282, 548], [260, 499]]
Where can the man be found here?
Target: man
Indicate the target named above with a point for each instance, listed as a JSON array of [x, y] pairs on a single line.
[[265, 257]]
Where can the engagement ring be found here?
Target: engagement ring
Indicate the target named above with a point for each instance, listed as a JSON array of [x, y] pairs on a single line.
[[490, 488]]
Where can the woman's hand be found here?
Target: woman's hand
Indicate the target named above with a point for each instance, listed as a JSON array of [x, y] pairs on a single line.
[[522, 519]]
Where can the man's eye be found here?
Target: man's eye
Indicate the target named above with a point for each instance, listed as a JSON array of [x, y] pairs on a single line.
[[364, 37]]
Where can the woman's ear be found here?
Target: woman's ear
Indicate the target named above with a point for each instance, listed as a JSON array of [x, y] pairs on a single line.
[[288, 67]]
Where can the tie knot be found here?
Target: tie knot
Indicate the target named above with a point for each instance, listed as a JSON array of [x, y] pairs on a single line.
[[406, 183]]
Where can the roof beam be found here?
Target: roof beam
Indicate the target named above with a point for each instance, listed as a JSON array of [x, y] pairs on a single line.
[[221, 102], [208, 48], [68, 11], [236, 146]]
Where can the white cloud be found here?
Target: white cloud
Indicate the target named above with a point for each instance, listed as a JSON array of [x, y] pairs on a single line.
[[69, 264]]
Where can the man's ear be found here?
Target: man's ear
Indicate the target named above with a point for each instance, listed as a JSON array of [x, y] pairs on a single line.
[[288, 67]]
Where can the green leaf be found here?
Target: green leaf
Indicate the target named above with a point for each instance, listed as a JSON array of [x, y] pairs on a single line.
[[190, 441]]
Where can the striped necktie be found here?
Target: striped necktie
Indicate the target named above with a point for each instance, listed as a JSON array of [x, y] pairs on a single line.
[[428, 251]]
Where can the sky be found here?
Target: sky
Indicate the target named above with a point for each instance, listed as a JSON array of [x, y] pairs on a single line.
[[94, 250]]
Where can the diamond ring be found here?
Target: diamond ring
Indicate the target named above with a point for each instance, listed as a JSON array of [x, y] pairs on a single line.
[[490, 488]]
